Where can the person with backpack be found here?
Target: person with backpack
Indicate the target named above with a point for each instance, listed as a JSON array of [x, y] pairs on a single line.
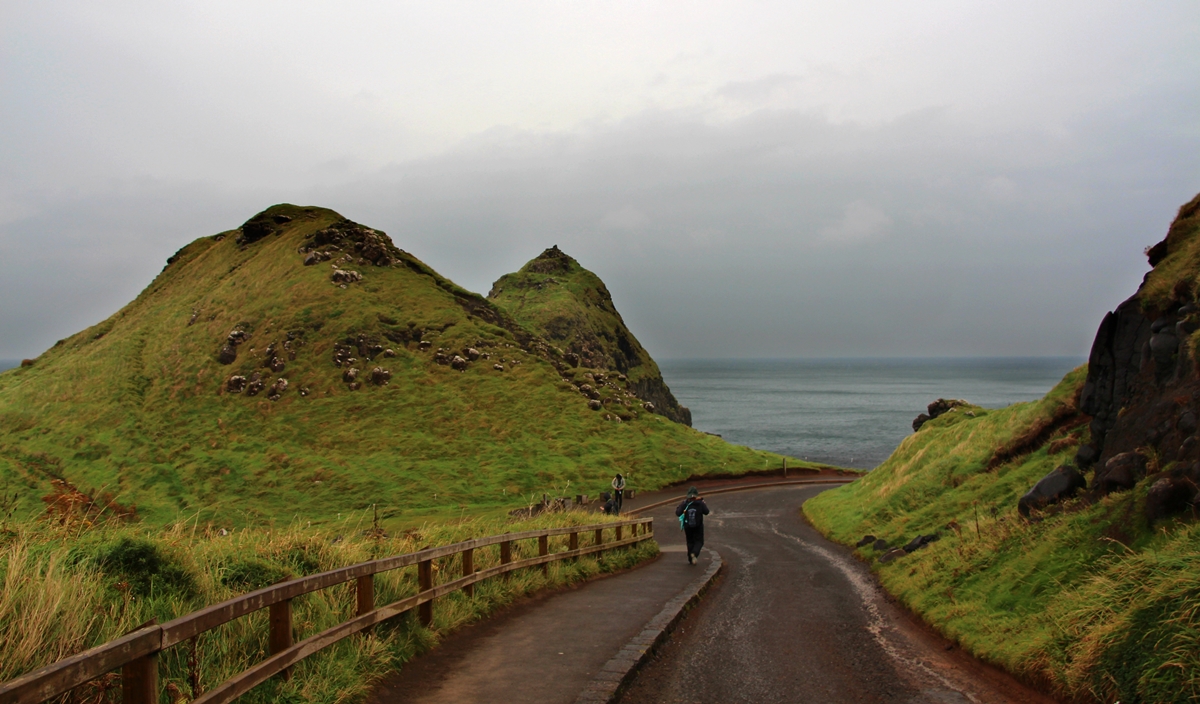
[[691, 515], [618, 485]]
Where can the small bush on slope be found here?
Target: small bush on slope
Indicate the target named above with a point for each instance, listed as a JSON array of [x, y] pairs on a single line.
[[1089, 601], [61, 593]]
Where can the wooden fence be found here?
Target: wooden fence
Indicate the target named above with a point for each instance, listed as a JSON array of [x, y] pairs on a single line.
[[137, 653]]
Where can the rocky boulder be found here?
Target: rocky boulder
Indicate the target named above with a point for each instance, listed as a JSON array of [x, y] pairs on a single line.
[[228, 352], [1061, 484], [277, 389], [458, 363], [380, 376], [344, 276], [919, 542], [1172, 495], [1120, 473], [236, 384], [939, 407]]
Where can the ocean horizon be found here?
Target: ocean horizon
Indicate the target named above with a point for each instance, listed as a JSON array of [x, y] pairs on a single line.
[[850, 412]]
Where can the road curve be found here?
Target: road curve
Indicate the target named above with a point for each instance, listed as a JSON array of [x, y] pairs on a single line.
[[795, 618]]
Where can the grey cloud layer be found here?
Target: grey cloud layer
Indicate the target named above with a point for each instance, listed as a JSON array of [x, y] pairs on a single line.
[[779, 234], [796, 178]]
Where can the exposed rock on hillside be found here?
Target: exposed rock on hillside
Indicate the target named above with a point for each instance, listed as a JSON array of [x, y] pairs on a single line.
[[572, 309], [1143, 383], [936, 409]]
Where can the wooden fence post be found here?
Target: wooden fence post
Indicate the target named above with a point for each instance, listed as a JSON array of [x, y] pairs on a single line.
[[544, 549], [574, 541], [599, 536], [468, 560], [139, 681], [618, 532], [281, 630], [425, 583], [506, 555], [364, 592]]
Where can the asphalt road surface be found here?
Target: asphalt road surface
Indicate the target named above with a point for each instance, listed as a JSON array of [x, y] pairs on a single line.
[[795, 618]]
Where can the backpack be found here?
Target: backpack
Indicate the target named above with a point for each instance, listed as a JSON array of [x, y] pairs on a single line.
[[687, 519]]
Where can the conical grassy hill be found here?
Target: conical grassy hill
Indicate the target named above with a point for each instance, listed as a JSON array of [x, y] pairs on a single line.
[[303, 365], [571, 308]]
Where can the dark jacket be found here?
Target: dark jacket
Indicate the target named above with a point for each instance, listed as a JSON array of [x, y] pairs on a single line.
[[696, 510]]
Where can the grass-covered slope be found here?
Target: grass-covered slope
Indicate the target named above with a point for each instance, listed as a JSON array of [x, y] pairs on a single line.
[[467, 408], [1089, 601], [571, 308]]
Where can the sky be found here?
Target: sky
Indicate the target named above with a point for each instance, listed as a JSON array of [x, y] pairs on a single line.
[[750, 179]]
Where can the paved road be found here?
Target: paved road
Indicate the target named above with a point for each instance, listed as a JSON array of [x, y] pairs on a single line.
[[796, 618]]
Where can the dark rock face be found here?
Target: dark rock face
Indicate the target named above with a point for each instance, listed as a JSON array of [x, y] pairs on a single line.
[[866, 540], [228, 353], [262, 225], [880, 545], [937, 408], [344, 276], [1121, 472], [551, 261], [356, 241], [919, 542], [277, 389], [1061, 484], [1172, 495], [655, 391]]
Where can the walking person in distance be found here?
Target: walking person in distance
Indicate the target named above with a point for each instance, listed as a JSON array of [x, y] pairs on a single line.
[[618, 485], [691, 515]]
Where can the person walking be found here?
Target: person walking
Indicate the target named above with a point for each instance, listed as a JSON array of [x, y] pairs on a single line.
[[691, 515], [618, 485]]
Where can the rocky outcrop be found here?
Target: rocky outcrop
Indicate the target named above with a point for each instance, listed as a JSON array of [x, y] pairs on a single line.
[[571, 309], [1142, 392], [938, 408], [1063, 483]]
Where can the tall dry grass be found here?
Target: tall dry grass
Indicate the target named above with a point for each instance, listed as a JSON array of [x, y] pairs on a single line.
[[63, 593]]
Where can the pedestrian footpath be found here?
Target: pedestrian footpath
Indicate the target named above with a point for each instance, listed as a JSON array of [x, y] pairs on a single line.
[[549, 650]]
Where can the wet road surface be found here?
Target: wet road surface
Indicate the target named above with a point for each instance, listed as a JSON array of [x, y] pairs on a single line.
[[795, 618]]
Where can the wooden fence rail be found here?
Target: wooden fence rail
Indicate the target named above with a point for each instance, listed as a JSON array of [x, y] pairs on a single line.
[[136, 654]]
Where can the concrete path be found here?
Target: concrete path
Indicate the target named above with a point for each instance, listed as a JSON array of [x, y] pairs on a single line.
[[796, 618], [549, 649]]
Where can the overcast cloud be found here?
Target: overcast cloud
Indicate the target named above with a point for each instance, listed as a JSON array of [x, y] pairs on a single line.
[[750, 179]]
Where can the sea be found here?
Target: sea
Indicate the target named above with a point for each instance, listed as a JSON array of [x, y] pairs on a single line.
[[845, 412]]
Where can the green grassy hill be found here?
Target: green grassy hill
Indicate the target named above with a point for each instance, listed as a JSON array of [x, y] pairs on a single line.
[[1091, 602], [571, 308], [1097, 597], [303, 365]]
